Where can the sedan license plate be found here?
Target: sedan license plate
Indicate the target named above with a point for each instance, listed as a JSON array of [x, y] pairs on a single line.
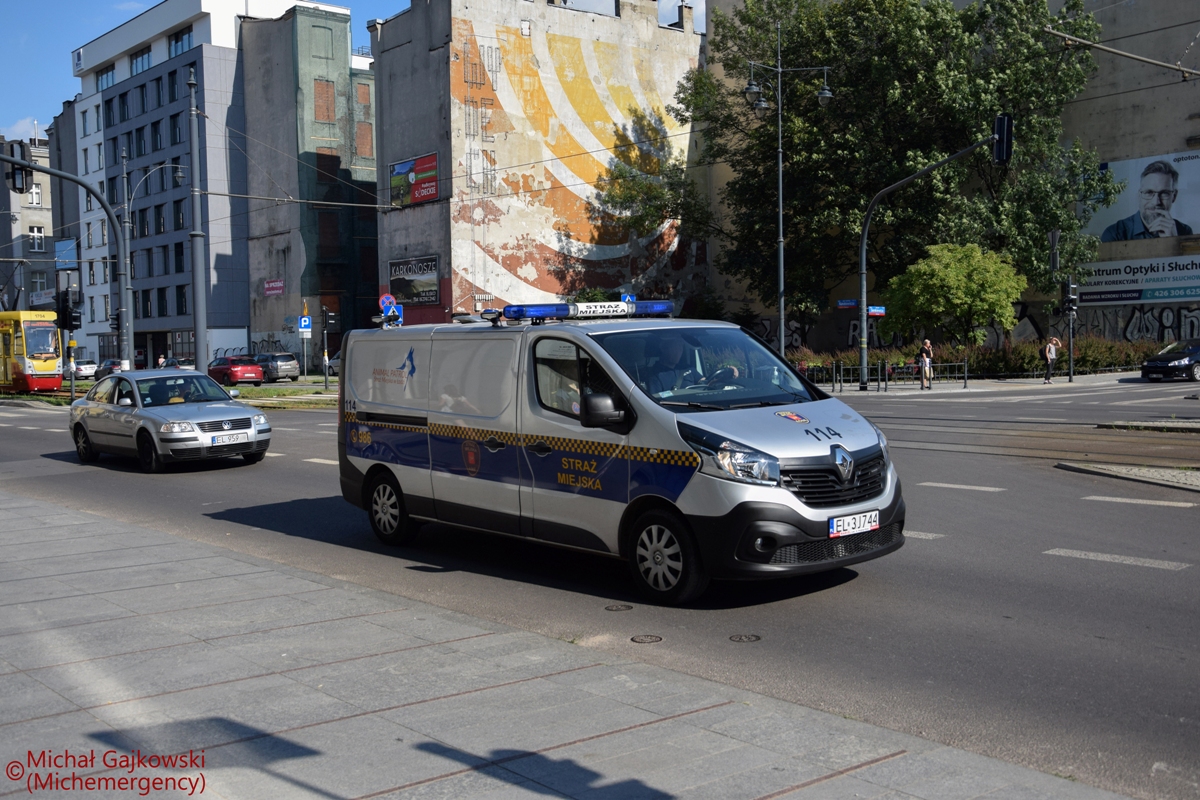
[[234, 438], [855, 523]]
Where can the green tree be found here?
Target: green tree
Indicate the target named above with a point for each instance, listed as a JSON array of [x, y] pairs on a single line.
[[913, 82], [959, 288]]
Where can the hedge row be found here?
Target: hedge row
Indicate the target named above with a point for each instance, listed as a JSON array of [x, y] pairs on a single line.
[[1092, 354]]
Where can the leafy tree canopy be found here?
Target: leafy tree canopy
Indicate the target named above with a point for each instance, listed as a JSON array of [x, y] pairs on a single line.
[[913, 82], [959, 288]]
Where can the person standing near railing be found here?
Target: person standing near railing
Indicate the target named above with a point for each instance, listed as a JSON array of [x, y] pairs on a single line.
[[1049, 353], [925, 357]]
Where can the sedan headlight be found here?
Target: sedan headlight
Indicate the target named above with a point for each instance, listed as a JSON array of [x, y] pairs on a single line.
[[733, 461], [176, 427], [1179, 362], [260, 419]]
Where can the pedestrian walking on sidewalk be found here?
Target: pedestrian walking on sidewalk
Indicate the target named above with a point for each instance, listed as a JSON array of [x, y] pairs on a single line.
[[925, 358], [1049, 353]]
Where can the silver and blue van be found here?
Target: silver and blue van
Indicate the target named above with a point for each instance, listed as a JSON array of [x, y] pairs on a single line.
[[686, 447]]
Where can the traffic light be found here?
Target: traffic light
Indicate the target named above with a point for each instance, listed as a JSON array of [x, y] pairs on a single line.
[[62, 310], [1002, 144], [19, 178], [328, 317], [114, 322], [76, 320]]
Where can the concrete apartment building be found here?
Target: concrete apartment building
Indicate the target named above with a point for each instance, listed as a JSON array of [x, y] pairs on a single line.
[[27, 237], [496, 120], [133, 109], [311, 136]]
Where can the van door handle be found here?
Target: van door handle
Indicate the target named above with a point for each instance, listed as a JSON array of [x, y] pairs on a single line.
[[540, 448], [493, 444]]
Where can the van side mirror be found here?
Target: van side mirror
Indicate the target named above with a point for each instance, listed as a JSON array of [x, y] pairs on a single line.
[[600, 411]]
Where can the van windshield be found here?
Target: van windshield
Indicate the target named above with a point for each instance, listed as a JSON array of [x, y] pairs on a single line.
[[702, 369]]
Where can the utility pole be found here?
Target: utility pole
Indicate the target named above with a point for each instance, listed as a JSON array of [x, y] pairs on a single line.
[[124, 281], [199, 261], [1070, 303]]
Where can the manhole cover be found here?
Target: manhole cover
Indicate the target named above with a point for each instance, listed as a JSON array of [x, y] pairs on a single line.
[[618, 608], [745, 637], [645, 639]]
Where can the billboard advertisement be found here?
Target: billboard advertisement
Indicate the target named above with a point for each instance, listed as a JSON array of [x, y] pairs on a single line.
[[1161, 199], [1170, 279], [414, 281], [414, 181]]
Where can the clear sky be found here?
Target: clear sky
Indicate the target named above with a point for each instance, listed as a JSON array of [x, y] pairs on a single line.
[[38, 40]]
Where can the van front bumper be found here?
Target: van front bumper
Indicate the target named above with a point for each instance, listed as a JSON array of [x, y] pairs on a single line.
[[788, 544]]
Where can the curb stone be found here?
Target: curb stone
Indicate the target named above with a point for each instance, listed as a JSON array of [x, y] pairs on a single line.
[[1188, 480]]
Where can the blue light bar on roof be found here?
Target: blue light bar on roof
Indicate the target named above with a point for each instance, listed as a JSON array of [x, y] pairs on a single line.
[[653, 308], [541, 311]]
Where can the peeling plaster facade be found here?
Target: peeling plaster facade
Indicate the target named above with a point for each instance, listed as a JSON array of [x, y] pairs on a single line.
[[525, 105]]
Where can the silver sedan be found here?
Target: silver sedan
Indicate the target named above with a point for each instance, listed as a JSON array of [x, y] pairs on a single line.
[[166, 415]]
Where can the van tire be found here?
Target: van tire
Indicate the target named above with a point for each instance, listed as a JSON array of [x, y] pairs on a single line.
[[664, 559], [385, 508]]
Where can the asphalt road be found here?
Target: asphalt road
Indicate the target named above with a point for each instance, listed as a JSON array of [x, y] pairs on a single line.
[[1079, 662]]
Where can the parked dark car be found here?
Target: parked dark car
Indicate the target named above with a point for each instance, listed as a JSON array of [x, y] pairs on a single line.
[[278, 366], [109, 366], [1177, 360], [232, 370]]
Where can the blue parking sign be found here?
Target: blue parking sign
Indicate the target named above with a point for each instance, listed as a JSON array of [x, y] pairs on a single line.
[[304, 324]]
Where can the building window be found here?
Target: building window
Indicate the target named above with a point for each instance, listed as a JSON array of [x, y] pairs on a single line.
[[162, 302], [177, 215], [110, 118], [364, 93], [35, 194], [181, 42], [100, 161], [87, 201], [172, 86], [103, 231], [140, 61], [91, 309], [160, 219], [96, 114], [112, 192], [106, 77], [91, 273], [37, 281], [143, 222], [127, 147], [156, 142], [143, 99], [139, 141], [137, 305], [323, 101], [364, 140], [149, 312], [161, 171], [158, 92], [165, 258], [179, 259], [107, 306], [85, 161], [176, 130], [88, 226], [123, 105], [83, 122], [181, 299], [327, 164], [322, 42], [37, 240], [327, 234]]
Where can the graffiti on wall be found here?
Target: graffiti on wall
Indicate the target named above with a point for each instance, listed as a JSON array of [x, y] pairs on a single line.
[[535, 131], [1137, 323]]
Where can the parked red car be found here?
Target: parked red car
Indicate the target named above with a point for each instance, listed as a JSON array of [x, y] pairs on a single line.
[[232, 370]]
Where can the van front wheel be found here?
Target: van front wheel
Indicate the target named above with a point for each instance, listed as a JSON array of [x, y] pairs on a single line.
[[664, 559], [386, 510]]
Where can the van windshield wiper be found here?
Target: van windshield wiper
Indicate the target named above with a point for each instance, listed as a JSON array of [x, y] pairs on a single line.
[[691, 404]]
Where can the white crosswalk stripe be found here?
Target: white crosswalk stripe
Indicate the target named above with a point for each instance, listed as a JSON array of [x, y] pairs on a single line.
[[1136, 562]]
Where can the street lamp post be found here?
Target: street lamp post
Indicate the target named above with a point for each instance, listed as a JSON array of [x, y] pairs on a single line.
[[753, 94], [199, 261]]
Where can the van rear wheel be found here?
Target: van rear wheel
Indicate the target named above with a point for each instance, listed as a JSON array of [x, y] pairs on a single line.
[[385, 507], [664, 559]]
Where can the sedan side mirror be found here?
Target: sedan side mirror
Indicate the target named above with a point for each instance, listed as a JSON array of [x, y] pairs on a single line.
[[234, 393], [600, 411], [125, 401]]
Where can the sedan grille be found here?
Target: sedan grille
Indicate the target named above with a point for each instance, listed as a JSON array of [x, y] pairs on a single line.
[[235, 449], [820, 487], [835, 549], [218, 427]]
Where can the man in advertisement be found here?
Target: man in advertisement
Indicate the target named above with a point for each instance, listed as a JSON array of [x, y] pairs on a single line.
[[1156, 194]]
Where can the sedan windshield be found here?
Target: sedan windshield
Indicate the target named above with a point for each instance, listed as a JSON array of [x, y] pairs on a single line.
[[1182, 346], [700, 369], [180, 389]]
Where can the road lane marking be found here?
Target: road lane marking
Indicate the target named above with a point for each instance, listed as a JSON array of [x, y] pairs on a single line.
[[321, 461], [1141, 502], [274, 455], [331, 424], [55, 430], [1041, 419], [1137, 562], [5, 425], [27, 428], [920, 535], [287, 429], [963, 486], [10, 414]]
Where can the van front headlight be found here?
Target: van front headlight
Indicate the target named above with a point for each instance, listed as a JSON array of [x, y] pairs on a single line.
[[882, 441], [730, 460]]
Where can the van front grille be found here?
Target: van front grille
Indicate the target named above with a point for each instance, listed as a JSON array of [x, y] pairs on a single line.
[[821, 486]]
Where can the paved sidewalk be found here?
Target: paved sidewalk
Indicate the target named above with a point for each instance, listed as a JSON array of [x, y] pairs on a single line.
[[281, 683]]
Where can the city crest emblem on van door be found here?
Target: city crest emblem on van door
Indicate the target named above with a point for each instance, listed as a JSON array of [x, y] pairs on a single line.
[[470, 454], [843, 462]]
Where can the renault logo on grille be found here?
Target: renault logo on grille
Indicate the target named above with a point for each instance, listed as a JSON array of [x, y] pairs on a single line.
[[844, 463], [226, 424]]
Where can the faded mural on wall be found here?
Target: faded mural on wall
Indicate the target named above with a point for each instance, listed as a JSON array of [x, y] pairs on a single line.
[[541, 108]]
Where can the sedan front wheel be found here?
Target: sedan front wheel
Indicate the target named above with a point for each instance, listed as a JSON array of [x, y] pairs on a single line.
[[1195, 373], [83, 446], [148, 457]]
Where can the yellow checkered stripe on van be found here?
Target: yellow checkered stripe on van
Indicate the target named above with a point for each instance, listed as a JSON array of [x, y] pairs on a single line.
[[476, 434], [653, 455], [585, 447], [351, 419]]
